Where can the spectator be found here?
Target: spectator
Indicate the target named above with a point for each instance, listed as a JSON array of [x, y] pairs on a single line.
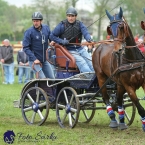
[[35, 43], [90, 49], [23, 70], [31, 74], [7, 59], [70, 31], [140, 44], [108, 37], [136, 38]]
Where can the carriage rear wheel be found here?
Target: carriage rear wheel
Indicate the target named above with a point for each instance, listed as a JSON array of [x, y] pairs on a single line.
[[67, 105], [86, 114], [130, 110], [87, 111], [35, 106]]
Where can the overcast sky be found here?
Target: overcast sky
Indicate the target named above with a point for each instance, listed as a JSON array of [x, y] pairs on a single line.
[[19, 3], [81, 4]]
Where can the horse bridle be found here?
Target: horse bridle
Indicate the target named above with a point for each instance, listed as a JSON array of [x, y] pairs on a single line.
[[125, 26], [121, 24]]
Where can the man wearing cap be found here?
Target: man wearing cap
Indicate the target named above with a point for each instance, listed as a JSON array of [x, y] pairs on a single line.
[[35, 43], [70, 31]]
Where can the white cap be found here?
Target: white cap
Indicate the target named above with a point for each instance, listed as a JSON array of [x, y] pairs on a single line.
[[140, 40], [6, 40]]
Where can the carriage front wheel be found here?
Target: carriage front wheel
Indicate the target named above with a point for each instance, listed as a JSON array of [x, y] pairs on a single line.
[[67, 105], [35, 106]]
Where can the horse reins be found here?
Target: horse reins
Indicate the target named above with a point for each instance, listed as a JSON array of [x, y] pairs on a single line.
[[93, 43], [126, 32]]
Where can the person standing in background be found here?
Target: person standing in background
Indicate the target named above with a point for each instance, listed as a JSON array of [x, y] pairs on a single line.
[[24, 68], [7, 60], [32, 75]]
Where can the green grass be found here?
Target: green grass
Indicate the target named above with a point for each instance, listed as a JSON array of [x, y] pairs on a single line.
[[96, 132]]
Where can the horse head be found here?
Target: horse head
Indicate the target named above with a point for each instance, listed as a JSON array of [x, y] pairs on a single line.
[[118, 28], [123, 37]]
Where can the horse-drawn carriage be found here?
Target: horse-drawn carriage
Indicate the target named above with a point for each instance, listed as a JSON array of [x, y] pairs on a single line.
[[74, 96]]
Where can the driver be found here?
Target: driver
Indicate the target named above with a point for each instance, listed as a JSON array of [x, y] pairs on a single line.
[[70, 31]]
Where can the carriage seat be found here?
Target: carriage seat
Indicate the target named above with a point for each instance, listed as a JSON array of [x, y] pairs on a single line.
[[63, 56]]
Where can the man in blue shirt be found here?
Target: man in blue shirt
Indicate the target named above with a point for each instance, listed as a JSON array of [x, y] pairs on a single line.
[[35, 43], [70, 31]]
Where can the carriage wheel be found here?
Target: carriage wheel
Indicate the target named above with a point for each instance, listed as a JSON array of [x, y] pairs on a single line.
[[86, 114], [67, 105], [130, 110], [35, 106]]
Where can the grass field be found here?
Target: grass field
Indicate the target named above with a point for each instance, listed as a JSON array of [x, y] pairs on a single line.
[[96, 132]]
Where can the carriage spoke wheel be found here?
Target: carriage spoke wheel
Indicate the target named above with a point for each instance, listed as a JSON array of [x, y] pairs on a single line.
[[86, 112], [130, 110], [67, 105], [35, 106]]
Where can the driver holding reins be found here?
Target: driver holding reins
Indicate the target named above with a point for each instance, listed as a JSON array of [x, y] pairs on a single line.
[[71, 31]]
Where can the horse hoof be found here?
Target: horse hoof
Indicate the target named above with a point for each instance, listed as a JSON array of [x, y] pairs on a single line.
[[113, 124], [122, 126]]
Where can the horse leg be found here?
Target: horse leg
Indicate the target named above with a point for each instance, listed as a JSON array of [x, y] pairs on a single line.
[[140, 109], [110, 112], [141, 112], [120, 92]]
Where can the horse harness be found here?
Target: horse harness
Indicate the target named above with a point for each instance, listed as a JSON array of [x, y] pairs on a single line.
[[132, 64]]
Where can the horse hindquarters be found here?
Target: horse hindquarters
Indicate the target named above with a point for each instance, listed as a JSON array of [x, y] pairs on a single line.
[[102, 64]]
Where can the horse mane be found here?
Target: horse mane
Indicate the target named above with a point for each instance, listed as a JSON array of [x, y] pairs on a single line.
[[133, 50]]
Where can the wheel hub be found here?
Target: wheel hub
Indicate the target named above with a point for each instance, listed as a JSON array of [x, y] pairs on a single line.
[[35, 107], [67, 108]]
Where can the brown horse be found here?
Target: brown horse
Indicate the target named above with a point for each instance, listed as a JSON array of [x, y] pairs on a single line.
[[125, 63]]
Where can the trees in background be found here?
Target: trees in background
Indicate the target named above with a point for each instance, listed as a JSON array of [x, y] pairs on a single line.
[[15, 20], [133, 11]]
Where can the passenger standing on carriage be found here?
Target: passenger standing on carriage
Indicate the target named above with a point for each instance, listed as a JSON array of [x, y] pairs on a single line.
[[70, 31], [35, 43]]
